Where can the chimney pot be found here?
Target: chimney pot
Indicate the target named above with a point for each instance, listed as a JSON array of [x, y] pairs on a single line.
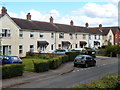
[[100, 27], [51, 19], [86, 25], [28, 16], [71, 23], [3, 11]]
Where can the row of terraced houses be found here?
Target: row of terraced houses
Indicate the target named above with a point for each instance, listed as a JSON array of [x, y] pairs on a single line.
[[19, 36]]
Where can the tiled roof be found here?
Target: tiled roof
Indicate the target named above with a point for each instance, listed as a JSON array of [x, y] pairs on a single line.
[[46, 26], [34, 25]]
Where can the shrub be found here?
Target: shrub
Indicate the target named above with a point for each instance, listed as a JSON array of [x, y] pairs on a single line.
[[55, 62], [112, 50], [64, 58], [72, 55], [41, 66], [111, 82], [12, 70]]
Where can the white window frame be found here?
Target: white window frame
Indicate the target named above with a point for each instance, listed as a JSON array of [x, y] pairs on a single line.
[[31, 34], [32, 49], [41, 34], [84, 36], [61, 35], [6, 33], [21, 49], [52, 35], [21, 34]]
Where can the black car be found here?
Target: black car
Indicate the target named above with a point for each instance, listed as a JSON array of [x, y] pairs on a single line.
[[84, 60]]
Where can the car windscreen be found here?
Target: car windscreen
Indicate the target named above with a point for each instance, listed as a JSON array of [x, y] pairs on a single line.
[[15, 58]]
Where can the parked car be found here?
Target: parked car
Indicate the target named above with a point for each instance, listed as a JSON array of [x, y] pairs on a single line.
[[60, 51], [4, 59], [78, 49], [84, 60]]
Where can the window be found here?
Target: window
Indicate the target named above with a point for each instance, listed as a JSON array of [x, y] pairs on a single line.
[[61, 35], [52, 47], [31, 48], [59, 45], [71, 36], [84, 36], [95, 36], [75, 45], [20, 33], [99, 37], [76, 36], [110, 37], [41, 34], [6, 33], [52, 35], [88, 58], [9, 50], [20, 49], [31, 34], [89, 36]]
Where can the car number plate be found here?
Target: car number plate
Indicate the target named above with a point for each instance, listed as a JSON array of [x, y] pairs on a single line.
[[78, 61]]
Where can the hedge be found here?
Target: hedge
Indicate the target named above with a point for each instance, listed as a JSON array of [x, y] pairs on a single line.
[[55, 62], [41, 66], [12, 70], [72, 55], [50, 64]]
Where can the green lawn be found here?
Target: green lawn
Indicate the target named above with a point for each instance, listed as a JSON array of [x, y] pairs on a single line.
[[28, 62]]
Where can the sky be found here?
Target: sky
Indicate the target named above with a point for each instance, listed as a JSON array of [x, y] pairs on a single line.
[[97, 12]]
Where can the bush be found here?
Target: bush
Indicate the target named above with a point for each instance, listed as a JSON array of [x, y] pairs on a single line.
[[64, 58], [72, 55], [112, 50], [55, 62], [41, 66], [12, 70]]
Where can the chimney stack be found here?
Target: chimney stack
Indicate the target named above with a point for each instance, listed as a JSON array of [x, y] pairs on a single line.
[[71, 23], [51, 19], [28, 16], [100, 27], [86, 25], [3, 11]]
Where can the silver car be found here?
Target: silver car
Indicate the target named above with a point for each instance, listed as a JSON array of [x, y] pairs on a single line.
[[60, 51]]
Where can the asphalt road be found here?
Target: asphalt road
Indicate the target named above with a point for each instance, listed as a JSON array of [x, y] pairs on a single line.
[[79, 75]]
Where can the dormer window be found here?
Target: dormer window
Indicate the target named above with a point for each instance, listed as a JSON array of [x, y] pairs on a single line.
[[6, 33]]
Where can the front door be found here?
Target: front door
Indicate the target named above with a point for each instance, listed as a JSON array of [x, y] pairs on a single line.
[[5, 50]]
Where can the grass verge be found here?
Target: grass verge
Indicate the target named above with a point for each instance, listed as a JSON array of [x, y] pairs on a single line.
[[111, 82]]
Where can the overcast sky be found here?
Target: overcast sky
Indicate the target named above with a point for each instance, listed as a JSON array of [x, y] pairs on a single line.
[[97, 12]]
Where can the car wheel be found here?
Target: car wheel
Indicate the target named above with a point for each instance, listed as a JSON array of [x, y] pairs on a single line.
[[86, 65], [75, 65]]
